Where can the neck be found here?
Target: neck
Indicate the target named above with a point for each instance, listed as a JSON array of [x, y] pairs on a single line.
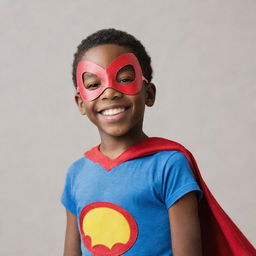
[[114, 146]]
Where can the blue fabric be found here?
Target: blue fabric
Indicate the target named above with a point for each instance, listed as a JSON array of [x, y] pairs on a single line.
[[146, 187]]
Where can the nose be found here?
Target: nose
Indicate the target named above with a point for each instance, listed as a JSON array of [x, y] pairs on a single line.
[[110, 93]]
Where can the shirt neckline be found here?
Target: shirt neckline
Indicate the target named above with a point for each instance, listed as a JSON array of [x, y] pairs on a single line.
[[145, 147], [108, 163]]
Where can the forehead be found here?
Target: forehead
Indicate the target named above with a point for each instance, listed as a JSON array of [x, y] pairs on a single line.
[[104, 54]]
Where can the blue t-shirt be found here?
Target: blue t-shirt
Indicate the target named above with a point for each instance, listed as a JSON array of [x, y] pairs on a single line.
[[128, 205]]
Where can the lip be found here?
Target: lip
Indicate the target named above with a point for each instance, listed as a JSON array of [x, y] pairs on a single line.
[[113, 106], [115, 117]]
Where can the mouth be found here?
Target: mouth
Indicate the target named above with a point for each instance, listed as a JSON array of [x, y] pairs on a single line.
[[112, 111]]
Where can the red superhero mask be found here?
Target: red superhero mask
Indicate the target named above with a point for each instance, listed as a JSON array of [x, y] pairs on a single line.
[[100, 78]]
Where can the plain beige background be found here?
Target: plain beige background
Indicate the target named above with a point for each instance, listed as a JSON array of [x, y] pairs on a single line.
[[204, 59]]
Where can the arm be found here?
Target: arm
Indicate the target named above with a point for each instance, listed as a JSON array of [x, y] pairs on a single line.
[[72, 238], [185, 226]]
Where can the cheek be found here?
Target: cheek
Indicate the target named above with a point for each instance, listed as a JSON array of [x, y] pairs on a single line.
[[139, 108], [89, 109], [92, 119]]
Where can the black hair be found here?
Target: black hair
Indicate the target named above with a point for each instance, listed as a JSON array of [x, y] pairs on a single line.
[[113, 36]]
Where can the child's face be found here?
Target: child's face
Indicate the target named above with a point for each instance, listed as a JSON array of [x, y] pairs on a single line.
[[114, 112]]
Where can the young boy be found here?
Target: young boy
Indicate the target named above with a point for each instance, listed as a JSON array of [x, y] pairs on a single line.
[[131, 195]]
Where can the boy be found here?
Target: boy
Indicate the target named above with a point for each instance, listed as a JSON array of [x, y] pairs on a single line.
[[131, 195]]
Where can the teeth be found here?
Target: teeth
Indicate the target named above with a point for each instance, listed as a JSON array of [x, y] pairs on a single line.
[[112, 111]]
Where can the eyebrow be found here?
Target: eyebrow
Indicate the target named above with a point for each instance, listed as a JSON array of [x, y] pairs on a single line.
[[88, 75], [127, 67]]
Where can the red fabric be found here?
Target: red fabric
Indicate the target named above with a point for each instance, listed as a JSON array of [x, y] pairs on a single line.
[[220, 235]]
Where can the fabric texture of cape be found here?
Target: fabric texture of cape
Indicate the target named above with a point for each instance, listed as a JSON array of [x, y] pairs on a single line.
[[220, 235]]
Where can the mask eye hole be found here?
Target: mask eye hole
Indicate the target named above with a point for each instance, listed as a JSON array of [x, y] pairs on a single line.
[[91, 81], [125, 75]]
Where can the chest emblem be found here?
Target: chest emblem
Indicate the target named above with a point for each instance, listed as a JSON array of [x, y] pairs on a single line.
[[107, 229]]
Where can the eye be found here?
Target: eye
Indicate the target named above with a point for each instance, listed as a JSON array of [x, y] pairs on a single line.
[[92, 86], [125, 75], [91, 81], [125, 80]]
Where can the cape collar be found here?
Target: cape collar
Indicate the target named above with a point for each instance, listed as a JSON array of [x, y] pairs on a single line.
[[148, 146]]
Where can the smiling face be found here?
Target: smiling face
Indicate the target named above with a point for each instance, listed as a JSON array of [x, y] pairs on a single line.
[[114, 112]]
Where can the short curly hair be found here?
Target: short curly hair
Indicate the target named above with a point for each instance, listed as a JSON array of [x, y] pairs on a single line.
[[113, 36]]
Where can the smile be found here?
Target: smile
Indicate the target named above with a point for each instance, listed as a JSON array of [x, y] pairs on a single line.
[[112, 111]]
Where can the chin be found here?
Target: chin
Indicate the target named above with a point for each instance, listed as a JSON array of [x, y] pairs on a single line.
[[116, 132]]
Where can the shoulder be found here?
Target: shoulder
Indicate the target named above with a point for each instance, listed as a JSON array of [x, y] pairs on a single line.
[[165, 162], [163, 146], [172, 165], [169, 150], [171, 157]]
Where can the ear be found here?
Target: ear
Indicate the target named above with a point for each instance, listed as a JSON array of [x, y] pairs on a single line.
[[80, 103], [150, 94]]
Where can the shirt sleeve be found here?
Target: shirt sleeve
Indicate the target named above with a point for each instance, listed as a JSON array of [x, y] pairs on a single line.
[[178, 179], [67, 198]]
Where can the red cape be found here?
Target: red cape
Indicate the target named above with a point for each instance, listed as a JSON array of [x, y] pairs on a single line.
[[220, 235]]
